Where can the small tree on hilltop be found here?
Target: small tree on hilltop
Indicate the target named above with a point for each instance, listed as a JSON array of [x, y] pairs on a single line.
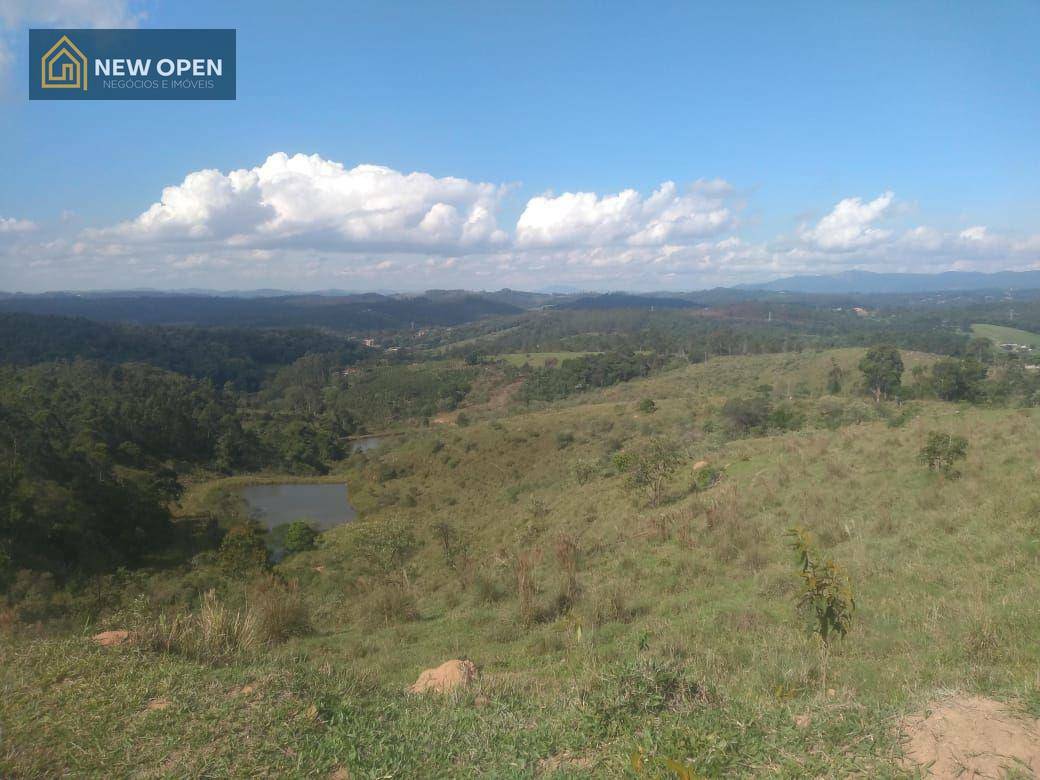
[[826, 596], [882, 369]]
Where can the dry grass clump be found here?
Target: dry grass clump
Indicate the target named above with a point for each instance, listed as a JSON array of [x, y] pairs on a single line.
[[218, 632], [215, 633]]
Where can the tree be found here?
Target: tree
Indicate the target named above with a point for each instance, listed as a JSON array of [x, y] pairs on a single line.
[[882, 369], [653, 466], [942, 451], [243, 550], [454, 545], [981, 349], [958, 380], [300, 536], [834, 377]]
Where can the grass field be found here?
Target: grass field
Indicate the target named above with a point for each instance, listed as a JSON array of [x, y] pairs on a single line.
[[1000, 334], [678, 640], [537, 359]]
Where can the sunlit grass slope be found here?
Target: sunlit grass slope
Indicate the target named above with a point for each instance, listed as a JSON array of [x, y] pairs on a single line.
[[679, 642]]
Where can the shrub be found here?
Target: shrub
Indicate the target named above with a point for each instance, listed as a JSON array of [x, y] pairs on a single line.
[[623, 461], [584, 471], [523, 567], [639, 688], [786, 418], [834, 376], [647, 406], [385, 545], [567, 556], [299, 537], [564, 439], [942, 451], [455, 549], [653, 466], [280, 609], [243, 550], [826, 596], [746, 415], [395, 603], [706, 477], [488, 589]]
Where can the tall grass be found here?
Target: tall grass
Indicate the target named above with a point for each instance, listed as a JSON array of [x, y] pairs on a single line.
[[218, 632]]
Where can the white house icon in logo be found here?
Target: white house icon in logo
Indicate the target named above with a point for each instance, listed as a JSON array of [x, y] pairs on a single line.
[[64, 66]]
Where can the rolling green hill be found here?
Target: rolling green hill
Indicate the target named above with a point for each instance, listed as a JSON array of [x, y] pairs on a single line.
[[639, 635]]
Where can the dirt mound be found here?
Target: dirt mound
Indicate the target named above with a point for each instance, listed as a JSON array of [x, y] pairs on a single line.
[[448, 676], [972, 737], [111, 638]]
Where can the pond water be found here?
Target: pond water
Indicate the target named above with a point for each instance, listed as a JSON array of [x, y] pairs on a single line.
[[321, 505]]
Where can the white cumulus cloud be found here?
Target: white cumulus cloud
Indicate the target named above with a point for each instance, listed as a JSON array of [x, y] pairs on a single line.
[[306, 201], [850, 225], [16, 16], [627, 218], [12, 225], [69, 13]]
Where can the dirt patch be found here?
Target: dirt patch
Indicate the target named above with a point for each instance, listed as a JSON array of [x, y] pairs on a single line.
[[972, 737], [503, 395], [564, 761]]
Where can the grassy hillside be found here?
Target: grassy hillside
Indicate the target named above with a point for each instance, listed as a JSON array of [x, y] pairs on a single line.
[[999, 334], [646, 634]]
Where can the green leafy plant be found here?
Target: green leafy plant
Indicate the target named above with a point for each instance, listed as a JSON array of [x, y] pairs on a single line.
[[835, 375], [882, 369], [300, 536], [647, 406], [826, 598], [584, 471], [653, 466], [385, 546], [243, 550], [455, 548], [942, 451]]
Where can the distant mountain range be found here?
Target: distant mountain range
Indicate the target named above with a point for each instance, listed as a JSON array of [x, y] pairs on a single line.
[[868, 282]]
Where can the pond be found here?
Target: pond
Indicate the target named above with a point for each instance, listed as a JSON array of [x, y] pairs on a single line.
[[321, 505]]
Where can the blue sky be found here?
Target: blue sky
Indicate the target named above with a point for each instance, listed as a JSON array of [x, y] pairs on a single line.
[[800, 137]]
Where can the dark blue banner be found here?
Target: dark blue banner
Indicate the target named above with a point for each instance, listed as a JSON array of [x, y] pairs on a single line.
[[132, 65]]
